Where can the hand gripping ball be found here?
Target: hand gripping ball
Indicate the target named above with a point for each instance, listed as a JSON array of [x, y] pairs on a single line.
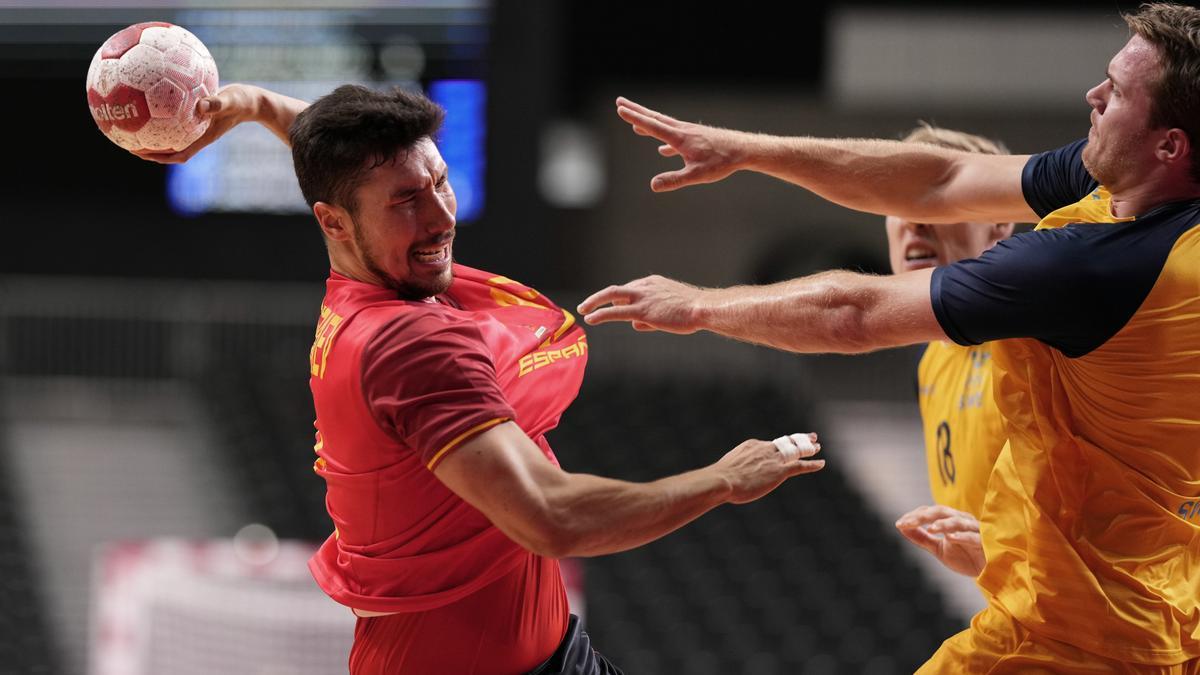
[[143, 85]]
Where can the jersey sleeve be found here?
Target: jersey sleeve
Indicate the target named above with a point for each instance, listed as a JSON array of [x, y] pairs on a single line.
[[1073, 287], [1056, 178], [431, 383]]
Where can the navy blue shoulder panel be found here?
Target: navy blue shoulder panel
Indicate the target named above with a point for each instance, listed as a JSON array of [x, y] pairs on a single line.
[[1055, 178], [1073, 287]]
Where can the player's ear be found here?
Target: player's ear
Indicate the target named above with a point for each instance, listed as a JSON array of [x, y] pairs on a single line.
[[1174, 146], [1003, 231], [334, 221]]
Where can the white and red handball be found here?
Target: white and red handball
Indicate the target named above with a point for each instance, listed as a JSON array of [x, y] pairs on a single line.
[[143, 85]]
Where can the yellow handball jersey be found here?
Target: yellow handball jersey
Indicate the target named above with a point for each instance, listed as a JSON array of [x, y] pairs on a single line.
[[1090, 523], [963, 428]]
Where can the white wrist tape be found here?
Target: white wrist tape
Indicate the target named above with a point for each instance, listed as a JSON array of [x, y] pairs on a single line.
[[794, 444]]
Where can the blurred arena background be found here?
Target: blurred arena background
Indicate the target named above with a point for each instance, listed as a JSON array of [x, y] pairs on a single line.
[[155, 323]]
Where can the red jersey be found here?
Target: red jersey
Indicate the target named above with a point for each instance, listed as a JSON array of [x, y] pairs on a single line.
[[399, 384]]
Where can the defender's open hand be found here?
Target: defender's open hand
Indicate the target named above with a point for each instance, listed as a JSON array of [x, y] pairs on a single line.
[[709, 153]]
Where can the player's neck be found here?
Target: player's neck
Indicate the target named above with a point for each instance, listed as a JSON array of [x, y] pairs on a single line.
[[1148, 195], [352, 268]]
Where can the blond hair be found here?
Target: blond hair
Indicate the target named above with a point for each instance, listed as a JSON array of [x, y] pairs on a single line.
[[955, 140]]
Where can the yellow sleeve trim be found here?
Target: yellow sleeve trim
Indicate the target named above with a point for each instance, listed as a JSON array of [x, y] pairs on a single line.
[[462, 437]]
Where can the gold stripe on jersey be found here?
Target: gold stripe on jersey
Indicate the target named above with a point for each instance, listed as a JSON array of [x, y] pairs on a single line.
[[457, 440]]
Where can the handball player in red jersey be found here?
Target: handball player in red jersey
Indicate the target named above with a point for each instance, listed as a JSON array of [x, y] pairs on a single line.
[[434, 386]]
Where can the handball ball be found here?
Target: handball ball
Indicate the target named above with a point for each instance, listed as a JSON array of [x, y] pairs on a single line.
[[143, 85]]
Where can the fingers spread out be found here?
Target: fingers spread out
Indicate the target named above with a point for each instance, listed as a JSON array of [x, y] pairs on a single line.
[[672, 133]]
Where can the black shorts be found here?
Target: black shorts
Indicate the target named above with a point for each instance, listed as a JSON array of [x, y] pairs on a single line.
[[575, 656]]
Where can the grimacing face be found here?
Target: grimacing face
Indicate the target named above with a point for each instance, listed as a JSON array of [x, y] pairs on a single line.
[[404, 224], [914, 246], [1119, 148]]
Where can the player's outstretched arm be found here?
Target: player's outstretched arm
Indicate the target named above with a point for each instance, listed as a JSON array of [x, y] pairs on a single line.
[[919, 182], [232, 105], [551, 512], [949, 535], [841, 312]]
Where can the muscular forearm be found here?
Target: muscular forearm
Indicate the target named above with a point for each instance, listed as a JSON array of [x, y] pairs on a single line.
[[553, 513], [819, 313], [876, 176], [595, 516], [838, 311], [829, 312]]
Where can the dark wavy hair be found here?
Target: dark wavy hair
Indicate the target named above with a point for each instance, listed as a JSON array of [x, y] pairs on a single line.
[[338, 139]]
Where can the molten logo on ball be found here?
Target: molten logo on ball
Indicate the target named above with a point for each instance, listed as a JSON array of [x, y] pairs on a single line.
[[143, 85], [108, 112]]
